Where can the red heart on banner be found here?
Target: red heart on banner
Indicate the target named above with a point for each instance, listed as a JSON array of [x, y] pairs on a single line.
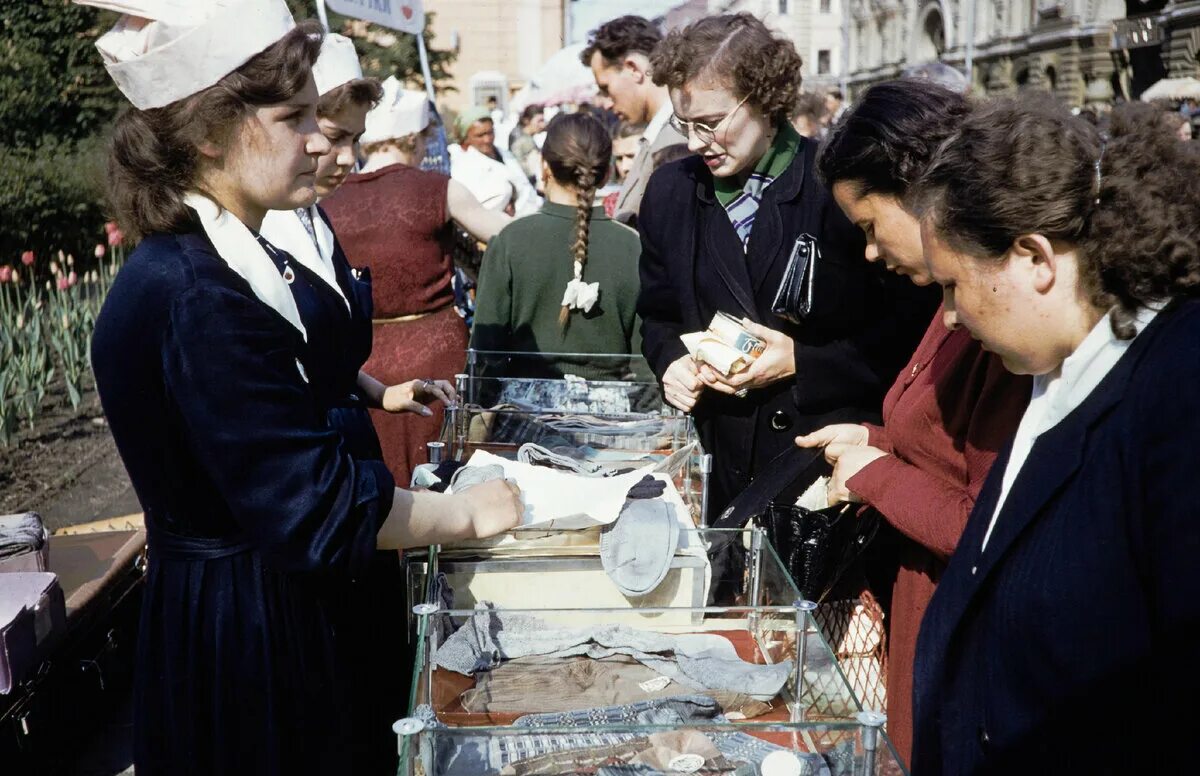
[[406, 11]]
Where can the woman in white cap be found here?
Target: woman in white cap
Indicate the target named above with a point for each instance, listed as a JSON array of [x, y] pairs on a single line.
[[335, 305], [252, 501], [396, 217]]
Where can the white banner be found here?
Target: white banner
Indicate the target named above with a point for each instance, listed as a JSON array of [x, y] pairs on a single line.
[[402, 15]]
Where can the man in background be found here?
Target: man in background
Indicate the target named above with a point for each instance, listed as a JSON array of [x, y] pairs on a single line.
[[618, 52]]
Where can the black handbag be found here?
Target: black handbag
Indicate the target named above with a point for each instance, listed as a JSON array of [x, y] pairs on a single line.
[[817, 547], [794, 299]]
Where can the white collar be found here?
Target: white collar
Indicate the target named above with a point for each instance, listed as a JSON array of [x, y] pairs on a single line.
[[656, 124], [285, 230], [1088, 364], [245, 255]]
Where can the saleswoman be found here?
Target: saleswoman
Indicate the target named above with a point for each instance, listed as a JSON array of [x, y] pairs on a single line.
[[718, 230], [252, 500]]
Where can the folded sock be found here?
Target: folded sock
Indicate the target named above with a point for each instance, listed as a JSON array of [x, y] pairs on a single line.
[[470, 476], [637, 549]]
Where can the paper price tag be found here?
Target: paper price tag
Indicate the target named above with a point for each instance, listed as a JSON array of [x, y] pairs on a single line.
[[655, 684], [686, 763]]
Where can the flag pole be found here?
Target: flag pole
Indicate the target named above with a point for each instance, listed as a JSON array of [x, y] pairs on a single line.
[[425, 71]]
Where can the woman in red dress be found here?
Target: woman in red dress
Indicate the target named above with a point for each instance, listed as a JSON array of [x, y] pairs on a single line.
[[396, 217], [952, 408]]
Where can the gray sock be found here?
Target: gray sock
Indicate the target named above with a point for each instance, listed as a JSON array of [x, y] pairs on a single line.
[[469, 476], [637, 549]]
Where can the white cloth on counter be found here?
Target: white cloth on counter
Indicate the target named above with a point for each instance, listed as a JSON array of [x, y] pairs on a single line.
[[554, 499]]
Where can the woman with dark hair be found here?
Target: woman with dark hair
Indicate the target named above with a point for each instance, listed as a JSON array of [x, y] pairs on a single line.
[[718, 232], [253, 502], [950, 410], [563, 280], [1059, 637]]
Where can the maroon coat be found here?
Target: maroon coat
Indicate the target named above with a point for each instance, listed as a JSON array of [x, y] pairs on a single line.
[[949, 413]]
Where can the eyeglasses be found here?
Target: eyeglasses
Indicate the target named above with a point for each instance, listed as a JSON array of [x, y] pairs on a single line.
[[705, 132]]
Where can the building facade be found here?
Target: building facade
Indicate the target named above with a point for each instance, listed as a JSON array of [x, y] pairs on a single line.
[[1083, 51], [814, 26], [500, 44]]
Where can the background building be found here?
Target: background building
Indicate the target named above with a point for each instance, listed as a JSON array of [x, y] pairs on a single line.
[[1084, 51], [499, 43]]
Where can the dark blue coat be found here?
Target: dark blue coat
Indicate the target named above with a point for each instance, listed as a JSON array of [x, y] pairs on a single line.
[[863, 328], [1069, 646], [253, 505]]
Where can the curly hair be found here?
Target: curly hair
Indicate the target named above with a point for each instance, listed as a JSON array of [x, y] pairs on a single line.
[[1129, 202], [736, 51], [154, 155], [619, 37], [886, 140], [360, 91], [577, 150]]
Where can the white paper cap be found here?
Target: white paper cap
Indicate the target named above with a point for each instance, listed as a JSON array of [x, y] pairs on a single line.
[[337, 64], [401, 112], [161, 51]]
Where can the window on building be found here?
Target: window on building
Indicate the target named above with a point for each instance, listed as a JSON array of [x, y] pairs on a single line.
[[825, 5], [783, 6], [823, 62]]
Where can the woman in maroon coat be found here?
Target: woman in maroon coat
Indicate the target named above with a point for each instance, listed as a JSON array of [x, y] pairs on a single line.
[[952, 408]]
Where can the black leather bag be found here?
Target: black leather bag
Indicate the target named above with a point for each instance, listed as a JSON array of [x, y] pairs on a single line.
[[794, 299], [817, 547]]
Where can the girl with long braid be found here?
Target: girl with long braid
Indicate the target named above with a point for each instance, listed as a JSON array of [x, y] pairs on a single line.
[[565, 279]]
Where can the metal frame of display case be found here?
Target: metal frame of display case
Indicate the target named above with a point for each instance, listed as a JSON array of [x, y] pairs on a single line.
[[821, 705]]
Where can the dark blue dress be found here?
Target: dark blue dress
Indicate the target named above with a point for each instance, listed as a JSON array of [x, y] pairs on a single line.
[[256, 509], [370, 610]]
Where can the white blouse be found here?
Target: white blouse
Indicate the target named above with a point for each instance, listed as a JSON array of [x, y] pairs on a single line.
[[1057, 393]]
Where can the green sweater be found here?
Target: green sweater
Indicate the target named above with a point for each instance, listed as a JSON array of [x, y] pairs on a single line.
[[526, 270]]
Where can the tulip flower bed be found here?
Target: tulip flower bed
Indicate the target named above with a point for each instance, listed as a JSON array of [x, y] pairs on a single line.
[[48, 310]]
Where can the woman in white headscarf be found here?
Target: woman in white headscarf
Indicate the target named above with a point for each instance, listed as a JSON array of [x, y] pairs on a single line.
[[206, 374]]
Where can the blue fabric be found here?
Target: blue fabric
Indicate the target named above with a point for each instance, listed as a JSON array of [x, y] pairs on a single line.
[[226, 440], [1069, 643]]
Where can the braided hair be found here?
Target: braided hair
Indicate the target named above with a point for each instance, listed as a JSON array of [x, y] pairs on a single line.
[[578, 151]]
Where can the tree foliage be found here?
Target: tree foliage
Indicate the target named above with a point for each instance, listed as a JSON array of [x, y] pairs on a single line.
[[385, 52]]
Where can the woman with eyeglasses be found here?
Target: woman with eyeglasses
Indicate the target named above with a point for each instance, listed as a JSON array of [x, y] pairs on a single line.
[[718, 231]]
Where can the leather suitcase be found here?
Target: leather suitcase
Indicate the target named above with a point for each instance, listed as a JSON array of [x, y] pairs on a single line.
[[32, 613]]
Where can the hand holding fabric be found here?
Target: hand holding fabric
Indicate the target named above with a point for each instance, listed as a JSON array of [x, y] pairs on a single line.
[[848, 460], [777, 362], [492, 507], [414, 395]]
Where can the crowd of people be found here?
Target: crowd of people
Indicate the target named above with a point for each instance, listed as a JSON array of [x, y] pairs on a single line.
[[997, 352]]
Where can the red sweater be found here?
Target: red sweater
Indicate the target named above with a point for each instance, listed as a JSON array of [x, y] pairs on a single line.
[[944, 420]]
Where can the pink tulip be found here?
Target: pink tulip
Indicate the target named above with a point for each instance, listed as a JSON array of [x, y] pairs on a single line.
[[100, 250], [63, 284], [72, 278], [27, 258], [6, 273], [110, 227], [115, 238]]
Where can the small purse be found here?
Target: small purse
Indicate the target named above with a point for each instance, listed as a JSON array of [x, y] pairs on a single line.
[[817, 546], [794, 299]]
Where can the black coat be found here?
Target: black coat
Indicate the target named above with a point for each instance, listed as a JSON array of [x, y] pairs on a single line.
[[865, 324], [1069, 646]]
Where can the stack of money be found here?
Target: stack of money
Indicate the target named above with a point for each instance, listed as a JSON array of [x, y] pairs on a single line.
[[725, 345]]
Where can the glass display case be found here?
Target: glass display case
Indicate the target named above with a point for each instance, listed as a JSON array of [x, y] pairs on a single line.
[[525, 683], [612, 420]]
